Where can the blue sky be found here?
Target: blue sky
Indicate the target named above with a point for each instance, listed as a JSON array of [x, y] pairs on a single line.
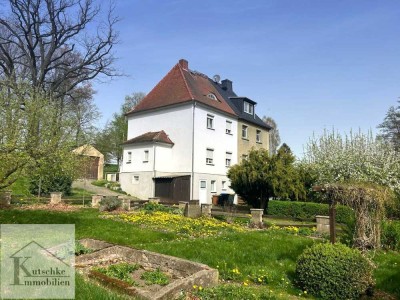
[[310, 65]]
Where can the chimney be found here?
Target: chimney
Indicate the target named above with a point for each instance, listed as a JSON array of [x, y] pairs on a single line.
[[226, 85], [184, 64]]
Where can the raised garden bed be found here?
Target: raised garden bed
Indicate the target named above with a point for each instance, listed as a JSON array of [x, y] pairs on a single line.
[[145, 274]]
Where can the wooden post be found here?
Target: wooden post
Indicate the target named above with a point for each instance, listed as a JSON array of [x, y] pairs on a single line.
[[332, 221]]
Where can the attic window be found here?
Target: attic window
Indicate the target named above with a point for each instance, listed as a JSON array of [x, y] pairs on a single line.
[[212, 96], [248, 108]]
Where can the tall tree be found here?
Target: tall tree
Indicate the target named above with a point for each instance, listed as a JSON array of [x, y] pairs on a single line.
[[46, 43], [274, 138], [110, 140], [19, 153], [390, 127]]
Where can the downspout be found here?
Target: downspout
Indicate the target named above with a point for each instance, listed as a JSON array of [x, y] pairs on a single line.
[[192, 177], [154, 170]]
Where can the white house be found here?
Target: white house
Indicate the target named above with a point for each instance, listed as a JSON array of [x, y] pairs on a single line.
[[182, 138]]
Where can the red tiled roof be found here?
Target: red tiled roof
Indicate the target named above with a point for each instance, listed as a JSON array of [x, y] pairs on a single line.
[[158, 136], [182, 85]]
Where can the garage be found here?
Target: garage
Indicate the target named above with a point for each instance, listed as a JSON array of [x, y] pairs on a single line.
[[172, 189]]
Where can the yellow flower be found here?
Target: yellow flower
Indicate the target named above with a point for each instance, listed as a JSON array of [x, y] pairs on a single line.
[[195, 286], [200, 288]]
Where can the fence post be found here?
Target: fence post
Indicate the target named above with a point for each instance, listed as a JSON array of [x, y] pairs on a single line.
[[256, 216], [55, 197], [96, 200], [206, 209], [5, 197]]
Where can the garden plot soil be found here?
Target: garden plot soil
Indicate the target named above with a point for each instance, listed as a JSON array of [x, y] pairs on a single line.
[[183, 274]]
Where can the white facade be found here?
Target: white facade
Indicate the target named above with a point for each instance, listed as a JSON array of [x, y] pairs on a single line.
[[194, 138]]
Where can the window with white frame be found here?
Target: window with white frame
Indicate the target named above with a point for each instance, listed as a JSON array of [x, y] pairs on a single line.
[[213, 186], [228, 127], [210, 121], [210, 156], [248, 108], [212, 96], [228, 159], [129, 157], [135, 179], [223, 185], [203, 184], [258, 136], [244, 131], [146, 156]]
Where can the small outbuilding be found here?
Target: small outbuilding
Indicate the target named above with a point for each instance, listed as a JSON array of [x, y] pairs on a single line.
[[94, 169]]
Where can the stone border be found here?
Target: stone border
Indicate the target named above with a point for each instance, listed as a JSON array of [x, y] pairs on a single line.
[[187, 273]]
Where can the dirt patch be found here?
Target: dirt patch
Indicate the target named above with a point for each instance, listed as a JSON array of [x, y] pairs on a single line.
[[51, 207]]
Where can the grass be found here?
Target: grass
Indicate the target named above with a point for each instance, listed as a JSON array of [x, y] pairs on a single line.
[[241, 257]]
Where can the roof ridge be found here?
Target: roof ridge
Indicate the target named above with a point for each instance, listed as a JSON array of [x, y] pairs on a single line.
[[184, 80]]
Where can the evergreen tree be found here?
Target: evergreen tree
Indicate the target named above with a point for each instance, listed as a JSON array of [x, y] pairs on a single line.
[[262, 176]]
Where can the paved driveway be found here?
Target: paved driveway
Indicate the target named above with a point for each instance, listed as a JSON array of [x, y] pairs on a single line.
[[87, 185]]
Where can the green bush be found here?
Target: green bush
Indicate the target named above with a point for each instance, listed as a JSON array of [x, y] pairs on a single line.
[[308, 210], [110, 204], [152, 207], [390, 234], [101, 182], [393, 209], [334, 272], [50, 183]]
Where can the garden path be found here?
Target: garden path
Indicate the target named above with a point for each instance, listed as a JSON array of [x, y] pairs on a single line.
[[86, 184]]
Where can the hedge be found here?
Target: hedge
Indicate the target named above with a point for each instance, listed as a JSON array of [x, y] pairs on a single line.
[[308, 210]]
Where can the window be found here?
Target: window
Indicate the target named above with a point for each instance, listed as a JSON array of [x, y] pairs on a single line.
[[210, 121], [248, 108], [258, 136], [244, 131], [203, 184], [146, 156], [211, 96], [210, 156], [223, 185], [228, 159], [135, 179], [228, 127], [129, 158], [213, 186]]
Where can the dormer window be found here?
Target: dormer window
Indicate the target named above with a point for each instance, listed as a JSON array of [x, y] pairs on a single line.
[[212, 96], [248, 108]]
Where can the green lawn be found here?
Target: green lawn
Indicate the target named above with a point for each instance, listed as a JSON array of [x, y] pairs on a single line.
[[238, 256]]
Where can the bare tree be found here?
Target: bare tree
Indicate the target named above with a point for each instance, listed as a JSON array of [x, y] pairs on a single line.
[[46, 42], [274, 138]]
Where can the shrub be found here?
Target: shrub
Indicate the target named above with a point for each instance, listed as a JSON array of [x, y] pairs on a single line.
[[50, 183], [110, 204], [308, 211], [390, 235], [334, 272], [101, 182], [152, 207]]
